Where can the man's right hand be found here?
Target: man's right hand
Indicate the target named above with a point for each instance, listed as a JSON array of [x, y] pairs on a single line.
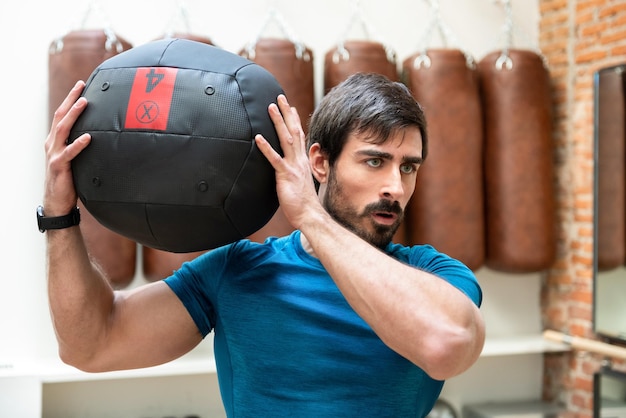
[[97, 328], [59, 191]]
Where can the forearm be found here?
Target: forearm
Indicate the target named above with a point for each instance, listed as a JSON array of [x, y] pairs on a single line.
[[420, 316], [80, 298], [98, 329]]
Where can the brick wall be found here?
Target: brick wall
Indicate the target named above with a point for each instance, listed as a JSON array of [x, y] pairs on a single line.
[[577, 37]]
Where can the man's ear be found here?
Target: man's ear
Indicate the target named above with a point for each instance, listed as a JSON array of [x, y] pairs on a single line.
[[319, 163]]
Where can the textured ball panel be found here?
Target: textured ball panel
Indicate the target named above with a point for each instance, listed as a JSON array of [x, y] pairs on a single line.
[[172, 163]]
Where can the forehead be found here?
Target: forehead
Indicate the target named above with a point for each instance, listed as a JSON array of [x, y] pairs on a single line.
[[405, 142]]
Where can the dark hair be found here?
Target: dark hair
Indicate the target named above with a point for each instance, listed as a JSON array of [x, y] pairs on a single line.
[[364, 103]]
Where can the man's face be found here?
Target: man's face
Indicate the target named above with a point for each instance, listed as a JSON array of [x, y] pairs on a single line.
[[370, 185]]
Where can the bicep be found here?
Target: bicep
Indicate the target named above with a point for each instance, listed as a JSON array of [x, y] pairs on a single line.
[[149, 326]]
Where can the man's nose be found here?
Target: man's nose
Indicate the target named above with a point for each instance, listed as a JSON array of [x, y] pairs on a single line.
[[393, 187]]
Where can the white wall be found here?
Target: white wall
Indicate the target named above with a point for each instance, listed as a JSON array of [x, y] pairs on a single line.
[[26, 30]]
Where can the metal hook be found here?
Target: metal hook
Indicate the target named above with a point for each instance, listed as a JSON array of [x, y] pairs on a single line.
[[112, 40], [340, 54], [504, 61], [422, 60]]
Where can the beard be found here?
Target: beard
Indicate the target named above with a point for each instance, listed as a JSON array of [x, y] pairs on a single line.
[[337, 204]]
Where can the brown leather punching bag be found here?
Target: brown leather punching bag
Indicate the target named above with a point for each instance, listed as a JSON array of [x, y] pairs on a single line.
[[71, 58], [401, 236], [355, 56], [610, 172], [519, 172], [74, 56], [159, 264], [447, 208], [292, 65]]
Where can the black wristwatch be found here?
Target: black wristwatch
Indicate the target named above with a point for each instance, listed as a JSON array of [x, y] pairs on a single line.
[[57, 222]]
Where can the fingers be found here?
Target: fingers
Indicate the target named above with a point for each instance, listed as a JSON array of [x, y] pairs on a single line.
[[61, 134], [289, 129], [287, 124], [65, 125], [290, 117], [77, 146], [59, 192], [65, 116], [268, 151], [69, 101]]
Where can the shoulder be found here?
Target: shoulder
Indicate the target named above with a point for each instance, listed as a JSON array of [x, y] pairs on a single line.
[[242, 254], [427, 258], [422, 256]]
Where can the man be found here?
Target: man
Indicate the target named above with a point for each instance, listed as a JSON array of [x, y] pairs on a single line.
[[332, 320]]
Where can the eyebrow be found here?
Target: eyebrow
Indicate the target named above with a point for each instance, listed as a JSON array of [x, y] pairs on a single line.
[[388, 156]]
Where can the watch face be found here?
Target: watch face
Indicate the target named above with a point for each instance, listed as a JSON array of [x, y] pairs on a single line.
[[39, 217]]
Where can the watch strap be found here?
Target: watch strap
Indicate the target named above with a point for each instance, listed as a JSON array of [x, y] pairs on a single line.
[[57, 222]]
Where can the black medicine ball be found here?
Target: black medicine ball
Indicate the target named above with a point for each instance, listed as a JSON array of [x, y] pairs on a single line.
[[172, 163]]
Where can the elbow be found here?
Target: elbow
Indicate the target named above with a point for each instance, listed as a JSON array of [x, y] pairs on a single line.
[[79, 360], [447, 361], [453, 352]]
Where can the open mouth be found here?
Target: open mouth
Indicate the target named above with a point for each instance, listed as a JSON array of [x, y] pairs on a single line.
[[386, 218]]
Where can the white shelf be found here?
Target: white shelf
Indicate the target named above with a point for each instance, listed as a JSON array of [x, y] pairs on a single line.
[[54, 371], [200, 360], [59, 373], [22, 382]]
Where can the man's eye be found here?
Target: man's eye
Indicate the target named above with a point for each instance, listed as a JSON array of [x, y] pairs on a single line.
[[374, 162], [407, 168]]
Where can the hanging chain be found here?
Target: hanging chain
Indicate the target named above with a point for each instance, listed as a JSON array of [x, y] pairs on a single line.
[[504, 60], [436, 23], [180, 17], [274, 16], [111, 41], [358, 17], [508, 31]]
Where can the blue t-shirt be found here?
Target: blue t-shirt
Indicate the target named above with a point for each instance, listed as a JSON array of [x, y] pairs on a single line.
[[288, 344]]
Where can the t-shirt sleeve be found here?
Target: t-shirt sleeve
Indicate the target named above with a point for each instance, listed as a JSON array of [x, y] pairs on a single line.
[[449, 269], [195, 282]]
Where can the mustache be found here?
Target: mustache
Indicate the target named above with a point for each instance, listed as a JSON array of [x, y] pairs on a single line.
[[384, 206]]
